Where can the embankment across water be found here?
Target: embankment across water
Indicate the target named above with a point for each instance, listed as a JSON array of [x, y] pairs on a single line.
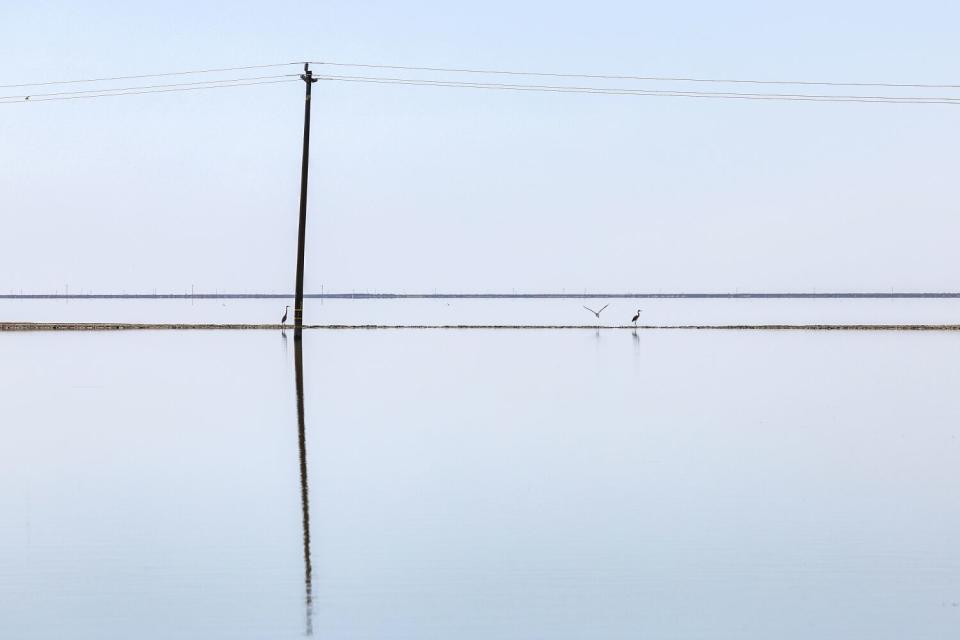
[[120, 326]]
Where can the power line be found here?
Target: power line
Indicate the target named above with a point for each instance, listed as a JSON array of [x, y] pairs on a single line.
[[646, 92], [628, 91], [464, 84], [149, 75], [240, 82], [157, 89], [37, 96], [823, 83], [651, 78]]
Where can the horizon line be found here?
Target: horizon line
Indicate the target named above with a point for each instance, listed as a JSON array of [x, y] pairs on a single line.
[[489, 295]]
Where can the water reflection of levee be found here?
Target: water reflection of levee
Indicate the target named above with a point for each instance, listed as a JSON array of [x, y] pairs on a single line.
[[304, 491]]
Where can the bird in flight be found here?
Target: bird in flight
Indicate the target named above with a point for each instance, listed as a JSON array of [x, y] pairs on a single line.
[[596, 313]]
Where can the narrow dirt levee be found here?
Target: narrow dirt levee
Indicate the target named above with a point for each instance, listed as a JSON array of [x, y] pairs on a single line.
[[126, 326]]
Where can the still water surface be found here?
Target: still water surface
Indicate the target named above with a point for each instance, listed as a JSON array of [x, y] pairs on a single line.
[[481, 484]]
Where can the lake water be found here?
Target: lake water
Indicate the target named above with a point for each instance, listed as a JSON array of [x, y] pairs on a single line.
[[481, 484]]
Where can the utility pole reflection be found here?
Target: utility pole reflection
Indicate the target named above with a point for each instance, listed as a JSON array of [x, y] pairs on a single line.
[[304, 493]]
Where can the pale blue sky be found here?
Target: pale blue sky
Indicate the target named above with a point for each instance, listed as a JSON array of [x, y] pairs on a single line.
[[418, 189]]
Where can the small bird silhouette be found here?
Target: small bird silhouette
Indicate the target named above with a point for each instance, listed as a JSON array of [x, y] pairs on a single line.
[[635, 318], [283, 320], [596, 313], [27, 98]]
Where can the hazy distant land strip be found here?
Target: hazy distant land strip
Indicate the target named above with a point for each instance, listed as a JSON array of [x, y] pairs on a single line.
[[120, 326], [468, 296]]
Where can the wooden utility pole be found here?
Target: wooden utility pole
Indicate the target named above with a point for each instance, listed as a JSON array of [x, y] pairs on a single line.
[[308, 78]]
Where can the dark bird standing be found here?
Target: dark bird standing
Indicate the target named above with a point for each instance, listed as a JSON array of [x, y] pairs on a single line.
[[283, 320], [635, 318]]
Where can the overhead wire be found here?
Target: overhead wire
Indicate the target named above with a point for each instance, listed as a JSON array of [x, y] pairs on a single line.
[[149, 75], [825, 83], [645, 92], [130, 91], [482, 85], [149, 86]]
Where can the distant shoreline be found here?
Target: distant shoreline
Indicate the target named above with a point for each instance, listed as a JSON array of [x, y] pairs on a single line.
[[125, 326], [477, 296]]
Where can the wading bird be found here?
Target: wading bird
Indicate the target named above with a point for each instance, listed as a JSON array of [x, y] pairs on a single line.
[[596, 313], [283, 320], [635, 318]]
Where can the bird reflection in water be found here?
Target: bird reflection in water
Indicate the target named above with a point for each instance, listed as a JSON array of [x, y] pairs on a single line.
[[304, 493]]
